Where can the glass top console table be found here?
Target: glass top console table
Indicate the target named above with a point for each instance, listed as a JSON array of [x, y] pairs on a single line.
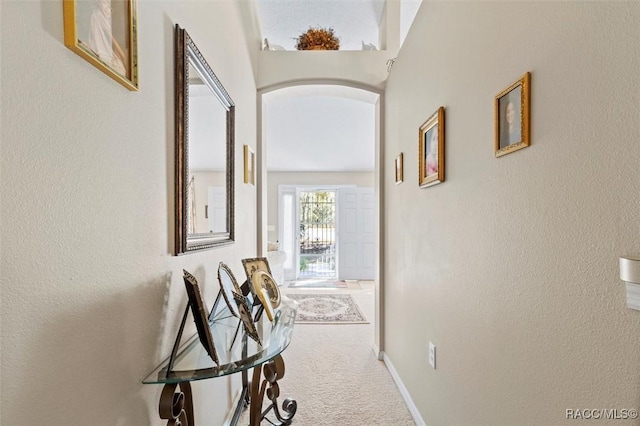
[[236, 354]]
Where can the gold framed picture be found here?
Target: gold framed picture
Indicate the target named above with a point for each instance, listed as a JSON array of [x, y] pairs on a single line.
[[249, 165], [104, 32], [511, 107], [399, 167], [431, 150], [252, 265]]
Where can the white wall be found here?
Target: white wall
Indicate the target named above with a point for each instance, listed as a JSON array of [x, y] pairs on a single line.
[[408, 10], [510, 266], [91, 295], [360, 67], [275, 179], [320, 132], [364, 67]]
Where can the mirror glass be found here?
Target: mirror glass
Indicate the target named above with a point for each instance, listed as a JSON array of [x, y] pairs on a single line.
[[207, 197], [204, 152]]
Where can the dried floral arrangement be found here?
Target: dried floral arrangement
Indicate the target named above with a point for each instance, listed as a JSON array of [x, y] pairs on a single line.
[[318, 39]]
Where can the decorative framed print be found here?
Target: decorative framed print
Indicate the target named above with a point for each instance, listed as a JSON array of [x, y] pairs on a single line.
[[245, 316], [104, 32], [431, 150], [511, 108], [255, 264], [200, 314], [228, 286], [249, 165], [399, 168]]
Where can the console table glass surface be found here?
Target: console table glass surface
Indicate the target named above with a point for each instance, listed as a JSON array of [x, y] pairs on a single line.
[[193, 363]]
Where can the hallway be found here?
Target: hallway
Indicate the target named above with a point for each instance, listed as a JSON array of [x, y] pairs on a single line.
[[333, 373], [509, 267]]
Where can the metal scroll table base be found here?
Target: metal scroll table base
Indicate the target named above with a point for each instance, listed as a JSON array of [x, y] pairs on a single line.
[[273, 371], [176, 401]]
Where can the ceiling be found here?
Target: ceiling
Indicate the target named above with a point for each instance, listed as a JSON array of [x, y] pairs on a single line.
[[323, 128], [354, 21], [320, 128], [314, 127]]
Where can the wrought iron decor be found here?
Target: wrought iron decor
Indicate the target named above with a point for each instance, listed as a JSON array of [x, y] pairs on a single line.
[[273, 371], [176, 399], [176, 406]]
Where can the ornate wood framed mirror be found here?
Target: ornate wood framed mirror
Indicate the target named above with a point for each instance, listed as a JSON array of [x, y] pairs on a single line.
[[204, 155]]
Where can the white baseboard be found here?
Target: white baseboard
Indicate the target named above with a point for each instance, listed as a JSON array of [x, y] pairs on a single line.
[[403, 391], [229, 417]]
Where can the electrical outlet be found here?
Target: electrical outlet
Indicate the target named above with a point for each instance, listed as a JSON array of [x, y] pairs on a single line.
[[432, 355]]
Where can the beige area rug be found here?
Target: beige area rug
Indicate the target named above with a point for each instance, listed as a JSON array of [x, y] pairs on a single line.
[[327, 309], [336, 380]]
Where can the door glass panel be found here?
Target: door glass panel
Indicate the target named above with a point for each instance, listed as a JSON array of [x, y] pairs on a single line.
[[317, 210]]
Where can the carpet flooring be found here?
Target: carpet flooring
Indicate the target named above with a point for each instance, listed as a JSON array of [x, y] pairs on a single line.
[[336, 380], [333, 374], [327, 309]]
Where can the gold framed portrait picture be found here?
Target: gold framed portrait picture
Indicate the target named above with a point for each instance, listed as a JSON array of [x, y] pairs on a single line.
[[104, 32], [431, 150], [399, 168], [249, 165], [254, 264], [512, 124]]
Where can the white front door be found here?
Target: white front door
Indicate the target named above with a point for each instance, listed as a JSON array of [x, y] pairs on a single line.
[[217, 198], [356, 233]]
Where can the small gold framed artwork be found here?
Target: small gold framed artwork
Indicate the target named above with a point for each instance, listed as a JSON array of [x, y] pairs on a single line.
[[399, 167], [104, 32], [249, 165], [511, 108], [431, 150]]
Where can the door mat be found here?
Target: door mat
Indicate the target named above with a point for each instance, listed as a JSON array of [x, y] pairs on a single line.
[[327, 309]]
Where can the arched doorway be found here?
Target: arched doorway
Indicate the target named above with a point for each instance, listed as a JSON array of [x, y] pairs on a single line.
[[340, 89]]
